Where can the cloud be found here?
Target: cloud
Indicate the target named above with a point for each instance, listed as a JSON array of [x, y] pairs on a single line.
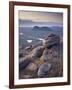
[[41, 16]]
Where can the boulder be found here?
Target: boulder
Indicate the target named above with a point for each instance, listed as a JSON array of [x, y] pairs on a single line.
[[45, 55], [31, 67], [52, 54], [37, 52], [51, 40], [22, 59], [44, 69], [24, 62], [56, 69]]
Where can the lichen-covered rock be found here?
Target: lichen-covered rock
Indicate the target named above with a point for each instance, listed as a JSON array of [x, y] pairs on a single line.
[[44, 59], [37, 52], [51, 39], [27, 57], [56, 69], [31, 67], [53, 54], [45, 56], [43, 69], [24, 62]]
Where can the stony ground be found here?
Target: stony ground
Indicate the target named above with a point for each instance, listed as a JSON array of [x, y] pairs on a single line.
[[42, 60]]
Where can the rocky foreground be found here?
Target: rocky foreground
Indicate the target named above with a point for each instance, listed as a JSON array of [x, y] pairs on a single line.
[[42, 60]]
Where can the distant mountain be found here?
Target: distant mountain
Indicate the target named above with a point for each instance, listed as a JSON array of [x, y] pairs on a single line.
[[41, 28], [30, 23], [57, 28]]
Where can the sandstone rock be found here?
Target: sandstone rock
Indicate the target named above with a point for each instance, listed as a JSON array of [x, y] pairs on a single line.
[[51, 40], [43, 61], [27, 57], [37, 52], [52, 54], [56, 69], [24, 63], [43, 70], [47, 55], [31, 67]]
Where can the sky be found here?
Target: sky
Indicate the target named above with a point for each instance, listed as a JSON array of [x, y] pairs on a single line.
[[40, 18]]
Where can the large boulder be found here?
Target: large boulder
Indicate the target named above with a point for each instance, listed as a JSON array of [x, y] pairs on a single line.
[[46, 56], [24, 62], [56, 69], [44, 69], [43, 60], [25, 58], [51, 39], [31, 67], [37, 52], [53, 54]]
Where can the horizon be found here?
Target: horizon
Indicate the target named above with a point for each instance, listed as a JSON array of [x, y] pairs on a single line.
[[30, 23]]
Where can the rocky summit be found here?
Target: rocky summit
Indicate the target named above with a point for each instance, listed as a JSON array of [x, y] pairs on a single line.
[[44, 69], [51, 40], [43, 61]]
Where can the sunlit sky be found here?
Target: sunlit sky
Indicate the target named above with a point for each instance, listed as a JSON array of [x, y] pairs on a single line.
[[41, 16]]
